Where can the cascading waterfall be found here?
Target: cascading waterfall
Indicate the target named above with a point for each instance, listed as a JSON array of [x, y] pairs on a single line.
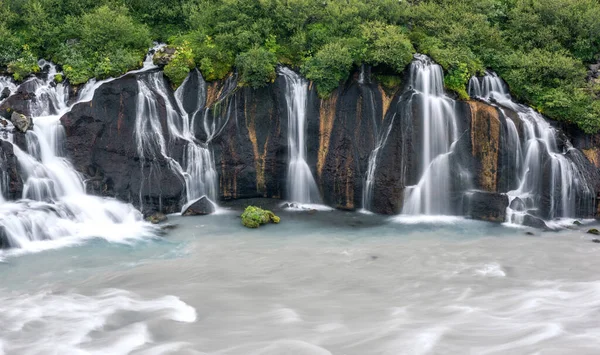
[[55, 207], [537, 158], [301, 184], [431, 195], [197, 166]]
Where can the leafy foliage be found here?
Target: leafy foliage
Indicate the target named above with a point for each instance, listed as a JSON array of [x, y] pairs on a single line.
[[256, 67], [328, 67], [540, 47], [181, 64]]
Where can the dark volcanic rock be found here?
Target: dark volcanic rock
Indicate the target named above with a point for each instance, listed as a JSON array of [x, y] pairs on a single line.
[[9, 170], [5, 93], [534, 222], [101, 143], [199, 207], [487, 206], [21, 101]]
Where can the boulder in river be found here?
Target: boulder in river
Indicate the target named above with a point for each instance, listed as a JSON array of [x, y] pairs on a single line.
[[199, 207], [253, 217], [156, 218], [21, 122], [593, 231], [488, 206], [535, 222]]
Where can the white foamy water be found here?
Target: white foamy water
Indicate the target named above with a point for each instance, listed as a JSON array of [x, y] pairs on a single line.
[[317, 283]]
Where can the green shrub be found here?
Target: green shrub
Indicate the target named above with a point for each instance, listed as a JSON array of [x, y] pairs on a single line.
[[181, 64], [456, 80], [328, 67], [387, 44], [23, 66], [253, 217], [256, 67]]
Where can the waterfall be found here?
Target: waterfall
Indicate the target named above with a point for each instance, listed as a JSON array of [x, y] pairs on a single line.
[[196, 167], [544, 170], [431, 195], [301, 184], [55, 210]]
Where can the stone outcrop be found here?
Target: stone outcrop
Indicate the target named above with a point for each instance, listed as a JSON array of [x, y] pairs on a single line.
[[101, 144], [199, 207], [11, 184], [246, 130], [21, 122]]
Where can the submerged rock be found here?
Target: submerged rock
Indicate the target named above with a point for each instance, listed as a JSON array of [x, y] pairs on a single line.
[[200, 207], [488, 206], [21, 122], [156, 218], [535, 222], [253, 217], [593, 231], [596, 240]]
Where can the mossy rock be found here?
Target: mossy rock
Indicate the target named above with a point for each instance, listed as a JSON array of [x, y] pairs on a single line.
[[594, 231], [254, 216]]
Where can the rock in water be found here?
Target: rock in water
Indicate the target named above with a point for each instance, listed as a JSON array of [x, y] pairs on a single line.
[[5, 93], [156, 218], [535, 222], [200, 207], [593, 231], [253, 217], [488, 206], [21, 122]]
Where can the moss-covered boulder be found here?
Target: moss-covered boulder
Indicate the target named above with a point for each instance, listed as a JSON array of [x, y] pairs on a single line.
[[253, 217]]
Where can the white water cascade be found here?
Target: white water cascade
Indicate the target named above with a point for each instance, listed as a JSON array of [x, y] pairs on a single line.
[[197, 166], [55, 210], [301, 184], [431, 195], [537, 158]]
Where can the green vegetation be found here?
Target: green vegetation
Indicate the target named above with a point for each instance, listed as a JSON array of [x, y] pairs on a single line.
[[253, 217], [540, 47], [181, 64]]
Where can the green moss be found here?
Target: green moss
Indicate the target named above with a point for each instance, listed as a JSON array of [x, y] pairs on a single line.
[[390, 83], [254, 216]]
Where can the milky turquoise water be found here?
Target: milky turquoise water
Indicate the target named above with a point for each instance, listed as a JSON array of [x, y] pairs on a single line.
[[321, 283]]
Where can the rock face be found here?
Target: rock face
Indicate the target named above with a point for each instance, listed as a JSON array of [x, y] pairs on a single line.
[[11, 185], [21, 101], [246, 132], [199, 207], [487, 206], [100, 142]]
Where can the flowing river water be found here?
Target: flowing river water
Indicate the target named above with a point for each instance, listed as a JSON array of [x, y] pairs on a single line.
[[318, 283]]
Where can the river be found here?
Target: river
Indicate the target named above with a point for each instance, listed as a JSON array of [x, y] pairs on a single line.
[[318, 283]]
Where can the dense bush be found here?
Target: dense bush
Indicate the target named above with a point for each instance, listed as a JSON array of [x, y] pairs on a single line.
[[256, 67], [540, 47], [181, 64]]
